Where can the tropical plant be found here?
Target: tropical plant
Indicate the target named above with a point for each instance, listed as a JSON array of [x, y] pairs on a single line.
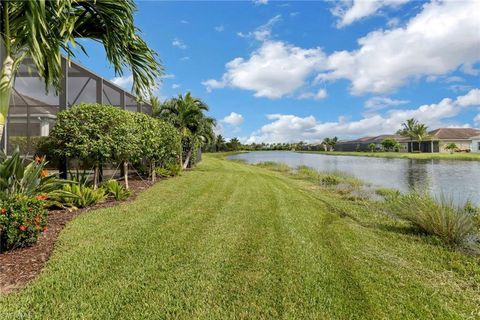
[[329, 143], [390, 144], [17, 176], [415, 131], [76, 196], [186, 113], [452, 147], [41, 30], [87, 132], [22, 219], [220, 143], [234, 144], [159, 142], [372, 147], [116, 190]]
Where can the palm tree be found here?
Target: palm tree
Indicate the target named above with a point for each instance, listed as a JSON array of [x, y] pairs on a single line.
[[220, 143], [234, 144], [329, 143], [415, 131], [41, 30], [186, 114]]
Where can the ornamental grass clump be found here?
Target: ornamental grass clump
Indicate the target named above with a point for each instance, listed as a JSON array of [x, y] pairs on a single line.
[[454, 225]]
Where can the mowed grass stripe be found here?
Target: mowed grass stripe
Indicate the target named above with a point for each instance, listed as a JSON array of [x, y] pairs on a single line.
[[232, 241]]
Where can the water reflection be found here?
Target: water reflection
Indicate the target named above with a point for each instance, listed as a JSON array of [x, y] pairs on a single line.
[[459, 180]]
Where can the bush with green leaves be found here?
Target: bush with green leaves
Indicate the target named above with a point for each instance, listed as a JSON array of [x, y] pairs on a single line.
[[22, 219], [116, 190], [170, 170], [88, 132], [160, 142]]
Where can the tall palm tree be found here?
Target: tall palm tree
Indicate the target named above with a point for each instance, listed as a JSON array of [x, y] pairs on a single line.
[[186, 113], [415, 131], [42, 29]]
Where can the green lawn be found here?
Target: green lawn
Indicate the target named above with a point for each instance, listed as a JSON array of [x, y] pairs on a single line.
[[425, 156], [233, 241]]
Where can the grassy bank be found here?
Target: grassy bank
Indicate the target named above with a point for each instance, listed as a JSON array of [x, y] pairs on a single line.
[[230, 240], [423, 156]]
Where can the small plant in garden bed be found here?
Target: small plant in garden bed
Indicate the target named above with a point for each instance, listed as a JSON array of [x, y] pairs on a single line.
[[170, 170], [116, 190], [76, 196], [22, 219]]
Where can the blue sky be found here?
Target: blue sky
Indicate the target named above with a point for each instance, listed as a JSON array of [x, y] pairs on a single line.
[[286, 71]]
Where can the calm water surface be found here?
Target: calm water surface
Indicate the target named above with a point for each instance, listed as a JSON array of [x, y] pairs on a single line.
[[459, 180]]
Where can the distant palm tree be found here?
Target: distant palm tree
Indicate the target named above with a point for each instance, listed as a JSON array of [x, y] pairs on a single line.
[[220, 143], [234, 144], [186, 113], [41, 30], [415, 131], [329, 143]]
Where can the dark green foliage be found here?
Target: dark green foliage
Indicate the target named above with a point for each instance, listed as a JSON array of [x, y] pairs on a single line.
[[170, 170], [22, 219], [390, 145], [76, 196], [116, 190], [329, 180]]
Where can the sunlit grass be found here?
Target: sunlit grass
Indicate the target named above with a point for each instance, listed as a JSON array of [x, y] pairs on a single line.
[[235, 241]]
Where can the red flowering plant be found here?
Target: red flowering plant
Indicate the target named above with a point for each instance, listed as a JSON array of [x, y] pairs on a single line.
[[22, 220]]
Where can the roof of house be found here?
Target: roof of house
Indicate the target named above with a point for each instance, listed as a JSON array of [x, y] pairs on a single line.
[[375, 139], [455, 133]]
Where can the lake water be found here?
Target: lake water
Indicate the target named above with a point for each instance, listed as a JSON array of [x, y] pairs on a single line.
[[459, 180]]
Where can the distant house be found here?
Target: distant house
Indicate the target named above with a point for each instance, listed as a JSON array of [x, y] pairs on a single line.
[[475, 147], [362, 144], [464, 138]]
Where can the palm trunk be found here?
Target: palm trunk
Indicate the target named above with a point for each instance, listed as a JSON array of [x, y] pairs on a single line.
[[187, 159], [6, 83], [125, 174]]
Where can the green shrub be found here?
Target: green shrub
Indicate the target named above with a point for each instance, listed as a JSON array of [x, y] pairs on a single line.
[[452, 224], [309, 173], [170, 170], [330, 180], [22, 219], [116, 190], [76, 196]]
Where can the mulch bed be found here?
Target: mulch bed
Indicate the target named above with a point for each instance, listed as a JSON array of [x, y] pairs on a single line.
[[19, 266]]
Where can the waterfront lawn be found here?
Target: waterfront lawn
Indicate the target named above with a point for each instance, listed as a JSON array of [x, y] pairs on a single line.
[[424, 156], [234, 241]]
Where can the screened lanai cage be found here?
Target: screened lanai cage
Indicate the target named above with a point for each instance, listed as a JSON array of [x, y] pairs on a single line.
[[33, 111]]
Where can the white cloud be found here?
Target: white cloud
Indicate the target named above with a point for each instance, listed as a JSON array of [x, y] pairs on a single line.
[[233, 119], [179, 44], [260, 2], [476, 120], [454, 79], [349, 11], [377, 103], [441, 38], [275, 70], [263, 32], [176, 86], [184, 22], [219, 28], [124, 82], [287, 128], [321, 94], [168, 76], [184, 58]]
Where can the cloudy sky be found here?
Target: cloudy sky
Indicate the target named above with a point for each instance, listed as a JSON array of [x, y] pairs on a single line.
[[277, 71]]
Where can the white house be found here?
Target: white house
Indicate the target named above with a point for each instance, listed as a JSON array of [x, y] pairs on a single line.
[[475, 147]]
